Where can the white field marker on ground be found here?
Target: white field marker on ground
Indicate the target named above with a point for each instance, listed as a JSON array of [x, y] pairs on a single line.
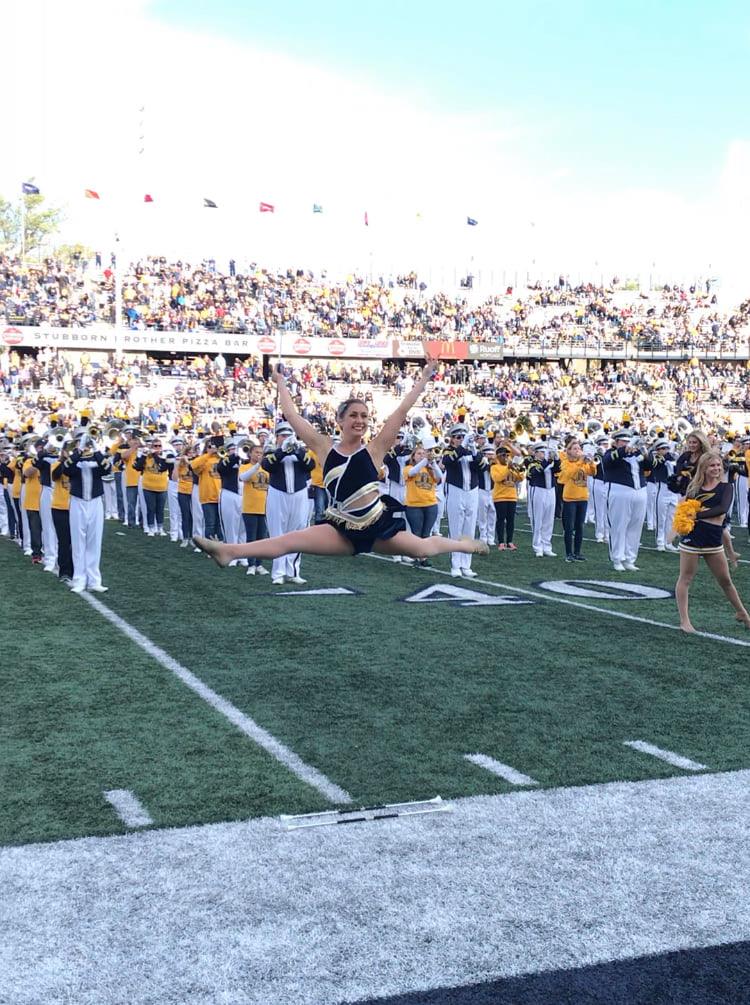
[[498, 768], [305, 772], [128, 808], [677, 760], [552, 598]]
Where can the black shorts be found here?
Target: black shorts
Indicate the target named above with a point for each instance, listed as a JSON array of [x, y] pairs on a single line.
[[390, 522], [703, 539]]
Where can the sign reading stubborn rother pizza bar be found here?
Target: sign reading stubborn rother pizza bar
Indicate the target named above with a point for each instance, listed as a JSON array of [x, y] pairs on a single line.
[[287, 344]]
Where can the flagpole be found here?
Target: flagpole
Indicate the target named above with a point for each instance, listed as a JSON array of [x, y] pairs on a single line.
[[118, 289], [23, 226]]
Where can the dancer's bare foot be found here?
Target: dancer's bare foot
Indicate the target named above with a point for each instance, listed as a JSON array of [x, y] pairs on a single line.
[[477, 547], [214, 549], [688, 628]]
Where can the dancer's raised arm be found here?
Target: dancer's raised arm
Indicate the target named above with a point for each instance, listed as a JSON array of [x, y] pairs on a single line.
[[318, 442], [382, 443]]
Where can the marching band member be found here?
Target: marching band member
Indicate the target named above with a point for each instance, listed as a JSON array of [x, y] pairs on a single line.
[[461, 496], [626, 500], [541, 471], [575, 471], [662, 465], [599, 491], [254, 498], [319, 494], [209, 486], [287, 507], [61, 518], [110, 495], [486, 515], [705, 539], [230, 501], [43, 462], [128, 454], [505, 479], [173, 498], [6, 480], [743, 487], [155, 471], [31, 501], [15, 491], [359, 518], [182, 477], [84, 472], [421, 474], [394, 462]]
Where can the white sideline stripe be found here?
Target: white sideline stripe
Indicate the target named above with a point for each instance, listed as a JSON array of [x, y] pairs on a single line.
[[555, 599], [498, 768], [243, 722], [128, 808], [665, 755]]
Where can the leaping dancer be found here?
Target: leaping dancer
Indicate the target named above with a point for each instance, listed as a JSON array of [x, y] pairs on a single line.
[[358, 518]]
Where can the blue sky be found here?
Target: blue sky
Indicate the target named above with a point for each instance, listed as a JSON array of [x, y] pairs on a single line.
[[588, 137], [610, 93]]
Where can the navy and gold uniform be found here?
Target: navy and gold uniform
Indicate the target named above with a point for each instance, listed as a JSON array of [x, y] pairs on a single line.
[[288, 506], [706, 538], [356, 509]]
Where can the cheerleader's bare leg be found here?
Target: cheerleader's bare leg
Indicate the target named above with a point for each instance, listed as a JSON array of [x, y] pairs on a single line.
[[717, 563], [405, 543], [688, 569], [733, 556], [321, 539]]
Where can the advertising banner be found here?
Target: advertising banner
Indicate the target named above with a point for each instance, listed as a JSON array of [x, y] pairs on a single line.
[[104, 338]]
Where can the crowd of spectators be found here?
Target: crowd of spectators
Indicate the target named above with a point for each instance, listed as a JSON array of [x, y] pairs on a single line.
[[162, 295], [555, 394]]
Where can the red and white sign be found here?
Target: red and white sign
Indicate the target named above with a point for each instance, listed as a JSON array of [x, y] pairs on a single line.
[[267, 344], [302, 346], [13, 336], [337, 347]]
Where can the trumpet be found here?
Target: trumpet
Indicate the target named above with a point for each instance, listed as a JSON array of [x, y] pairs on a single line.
[[245, 447]]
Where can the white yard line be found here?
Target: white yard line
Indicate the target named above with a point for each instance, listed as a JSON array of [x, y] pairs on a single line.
[[554, 599], [502, 770], [677, 760], [128, 808], [305, 772]]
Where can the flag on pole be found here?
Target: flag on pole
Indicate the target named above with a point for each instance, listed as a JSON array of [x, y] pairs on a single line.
[[266, 207], [148, 198], [367, 219], [471, 221], [28, 189], [90, 193], [209, 204], [317, 208]]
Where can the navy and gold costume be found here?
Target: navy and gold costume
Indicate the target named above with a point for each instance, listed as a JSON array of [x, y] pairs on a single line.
[[705, 538], [348, 481]]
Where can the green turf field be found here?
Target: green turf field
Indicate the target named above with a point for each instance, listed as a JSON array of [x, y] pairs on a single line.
[[384, 697]]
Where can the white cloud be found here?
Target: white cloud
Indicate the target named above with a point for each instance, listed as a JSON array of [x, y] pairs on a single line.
[[225, 120]]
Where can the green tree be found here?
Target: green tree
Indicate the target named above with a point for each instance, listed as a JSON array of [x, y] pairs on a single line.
[[73, 253], [39, 222], [9, 223]]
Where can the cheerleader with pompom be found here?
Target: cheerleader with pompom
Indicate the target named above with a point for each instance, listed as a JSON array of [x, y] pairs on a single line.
[[698, 521]]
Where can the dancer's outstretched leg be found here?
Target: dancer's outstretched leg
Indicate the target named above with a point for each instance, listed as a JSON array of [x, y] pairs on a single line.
[[405, 543], [319, 540]]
